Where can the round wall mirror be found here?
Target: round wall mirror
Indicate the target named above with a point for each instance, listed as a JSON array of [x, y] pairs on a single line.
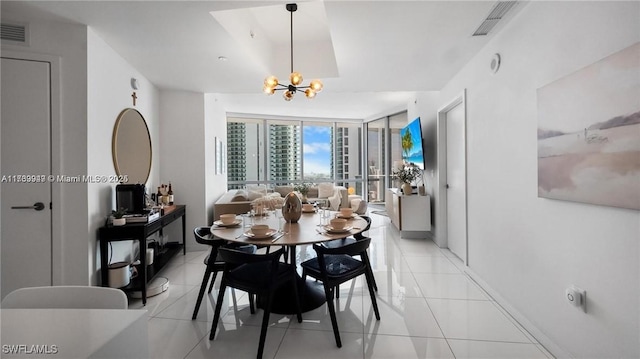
[[131, 147]]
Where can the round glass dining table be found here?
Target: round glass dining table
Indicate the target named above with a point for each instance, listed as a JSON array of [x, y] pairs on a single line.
[[306, 231]]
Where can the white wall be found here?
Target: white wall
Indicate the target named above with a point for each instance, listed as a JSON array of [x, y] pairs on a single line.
[[215, 125], [425, 105], [109, 92], [68, 43], [183, 158], [526, 249], [190, 122]]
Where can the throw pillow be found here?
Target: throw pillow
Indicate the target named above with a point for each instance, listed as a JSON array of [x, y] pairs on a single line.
[[334, 201], [325, 190], [239, 196]]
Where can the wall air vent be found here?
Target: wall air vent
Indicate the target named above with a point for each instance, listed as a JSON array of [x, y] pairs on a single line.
[[14, 33], [500, 9]]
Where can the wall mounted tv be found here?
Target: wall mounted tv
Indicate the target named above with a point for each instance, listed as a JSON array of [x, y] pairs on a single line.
[[411, 139]]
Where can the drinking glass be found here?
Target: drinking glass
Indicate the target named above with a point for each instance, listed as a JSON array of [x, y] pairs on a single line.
[[322, 212], [279, 215], [247, 219], [273, 205]]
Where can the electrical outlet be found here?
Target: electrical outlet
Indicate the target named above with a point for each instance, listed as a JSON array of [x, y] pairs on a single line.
[[576, 297]]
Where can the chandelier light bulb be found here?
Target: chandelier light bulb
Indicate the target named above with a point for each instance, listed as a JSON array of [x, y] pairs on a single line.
[[271, 81], [268, 90], [309, 93], [316, 85], [288, 95], [295, 78]]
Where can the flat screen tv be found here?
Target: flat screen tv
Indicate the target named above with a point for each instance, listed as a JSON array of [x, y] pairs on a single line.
[[411, 140]]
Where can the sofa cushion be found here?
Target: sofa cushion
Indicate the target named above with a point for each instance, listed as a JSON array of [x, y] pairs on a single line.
[[283, 190], [313, 192], [253, 195], [325, 190]]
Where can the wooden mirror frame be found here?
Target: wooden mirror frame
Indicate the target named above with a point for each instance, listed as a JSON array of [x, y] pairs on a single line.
[[131, 147]]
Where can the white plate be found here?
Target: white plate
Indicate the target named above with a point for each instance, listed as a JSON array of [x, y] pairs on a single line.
[[220, 224], [330, 229], [269, 233]]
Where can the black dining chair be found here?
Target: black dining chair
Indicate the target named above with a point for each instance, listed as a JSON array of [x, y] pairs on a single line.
[[334, 266], [213, 261], [336, 243], [256, 274]]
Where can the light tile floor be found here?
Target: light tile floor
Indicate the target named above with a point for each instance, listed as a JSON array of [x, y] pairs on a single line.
[[429, 308]]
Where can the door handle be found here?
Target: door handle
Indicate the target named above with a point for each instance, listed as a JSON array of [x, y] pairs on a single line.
[[38, 206], [447, 186]]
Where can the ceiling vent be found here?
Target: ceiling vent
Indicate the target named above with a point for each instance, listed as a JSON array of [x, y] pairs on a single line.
[[500, 9], [15, 33]]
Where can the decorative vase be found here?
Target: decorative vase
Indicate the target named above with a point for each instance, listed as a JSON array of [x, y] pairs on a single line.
[[292, 208], [407, 189], [422, 191], [119, 221]]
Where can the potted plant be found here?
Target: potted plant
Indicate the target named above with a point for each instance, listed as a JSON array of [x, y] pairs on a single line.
[[303, 189], [118, 215], [407, 174]]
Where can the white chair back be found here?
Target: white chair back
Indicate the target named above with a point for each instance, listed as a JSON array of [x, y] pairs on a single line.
[[83, 297]]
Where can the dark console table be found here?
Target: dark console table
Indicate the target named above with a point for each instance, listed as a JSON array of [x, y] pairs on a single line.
[[140, 232]]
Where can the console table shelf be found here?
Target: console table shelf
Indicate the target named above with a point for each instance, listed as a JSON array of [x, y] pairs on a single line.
[[140, 232]]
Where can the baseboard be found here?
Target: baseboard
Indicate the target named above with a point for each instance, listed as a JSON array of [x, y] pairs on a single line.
[[544, 340]]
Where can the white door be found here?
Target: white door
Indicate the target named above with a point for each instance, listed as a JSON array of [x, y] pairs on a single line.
[[456, 182], [25, 164]]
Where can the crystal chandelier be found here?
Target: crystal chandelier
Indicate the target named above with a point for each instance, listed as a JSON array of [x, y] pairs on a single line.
[[271, 83]]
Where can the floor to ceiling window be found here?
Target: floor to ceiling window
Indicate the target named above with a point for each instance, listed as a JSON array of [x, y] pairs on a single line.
[[285, 152], [245, 152], [317, 151], [376, 159], [383, 150], [349, 156], [279, 152], [396, 123]]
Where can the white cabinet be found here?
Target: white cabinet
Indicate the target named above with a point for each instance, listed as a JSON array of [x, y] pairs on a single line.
[[411, 215]]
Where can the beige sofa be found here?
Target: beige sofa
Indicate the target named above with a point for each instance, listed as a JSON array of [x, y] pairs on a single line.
[[239, 201], [234, 201], [337, 195]]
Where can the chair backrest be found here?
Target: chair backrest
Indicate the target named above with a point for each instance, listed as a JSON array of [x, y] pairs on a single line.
[[235, 256], [82, 297], [360, 236], [203, 236], [250, 272], [351, 249]]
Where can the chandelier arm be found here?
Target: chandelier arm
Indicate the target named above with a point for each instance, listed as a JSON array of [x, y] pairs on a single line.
[[291, 11]]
